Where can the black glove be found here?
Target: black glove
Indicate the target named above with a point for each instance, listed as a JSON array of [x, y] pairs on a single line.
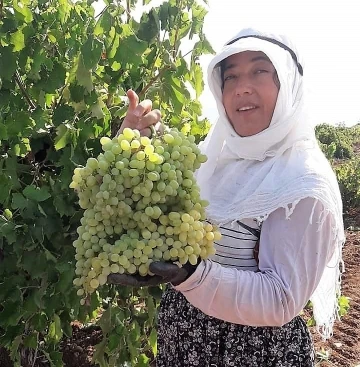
[[164, 273]]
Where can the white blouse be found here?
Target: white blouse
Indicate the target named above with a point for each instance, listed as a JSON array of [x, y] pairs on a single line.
[[293, 254]]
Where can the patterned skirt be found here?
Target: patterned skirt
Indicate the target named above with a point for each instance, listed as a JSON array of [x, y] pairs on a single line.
[[188, 337]]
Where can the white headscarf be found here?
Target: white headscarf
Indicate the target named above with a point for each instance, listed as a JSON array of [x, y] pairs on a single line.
[[250, 177]]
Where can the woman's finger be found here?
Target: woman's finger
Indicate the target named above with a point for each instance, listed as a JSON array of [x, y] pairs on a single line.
[[143, 108], [133, 99], [151, 118], [133, 116], [146, 132]]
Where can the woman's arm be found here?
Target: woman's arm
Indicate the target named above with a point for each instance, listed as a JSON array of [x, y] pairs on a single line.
[[293, 255]]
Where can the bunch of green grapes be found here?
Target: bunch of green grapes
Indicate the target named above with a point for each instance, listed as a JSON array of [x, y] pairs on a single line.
[[142, 204]]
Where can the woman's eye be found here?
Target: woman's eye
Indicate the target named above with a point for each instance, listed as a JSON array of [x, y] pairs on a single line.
[[229, 77], [260, 71]]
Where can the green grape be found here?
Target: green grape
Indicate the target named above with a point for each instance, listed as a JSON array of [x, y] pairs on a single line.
[[141, 165], [175, 155], [161, 186], [128, 133], [80, 292], [102, 279], [174, 252], [120, 165], [109, 156], [92, 163], [135, 144], [114, 257], [168, 138], [133, 163], [166, 255], [141, 204], [125, 145], [103, 165], [153, 176], [147, 250], [143, 269], [94, 283], [169, 190], [114, 268], [140, 245], [149, 150], [145, 141], [158, 254], [105, 263], [140, 156], [184, 259], [150, 166], [149, 185], [181, 253], [133, 172], [189, 250], [192, 259], [144, 259], [149, 211]]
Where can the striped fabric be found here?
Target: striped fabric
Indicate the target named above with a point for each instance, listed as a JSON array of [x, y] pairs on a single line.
[[236, 247]]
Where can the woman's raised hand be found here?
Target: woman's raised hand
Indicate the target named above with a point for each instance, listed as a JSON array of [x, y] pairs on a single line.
[[141, 116]]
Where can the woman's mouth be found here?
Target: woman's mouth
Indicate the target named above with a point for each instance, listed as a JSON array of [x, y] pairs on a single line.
[[246, 109]]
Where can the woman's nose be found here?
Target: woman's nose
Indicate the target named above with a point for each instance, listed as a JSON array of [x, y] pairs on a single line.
[[243, 87]]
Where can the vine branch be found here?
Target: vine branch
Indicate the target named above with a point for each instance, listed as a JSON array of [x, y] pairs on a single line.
[[102, 12], [128, 11], [153, 80], [21, 85], [177, 30]]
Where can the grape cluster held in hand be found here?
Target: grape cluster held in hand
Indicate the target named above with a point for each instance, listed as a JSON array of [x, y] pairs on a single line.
[[142, 204]]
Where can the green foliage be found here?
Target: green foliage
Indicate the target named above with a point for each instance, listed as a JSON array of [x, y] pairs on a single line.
[[63, 77], [348, 176], [344, 305], [341, 146], [343, 309], [337, 141]]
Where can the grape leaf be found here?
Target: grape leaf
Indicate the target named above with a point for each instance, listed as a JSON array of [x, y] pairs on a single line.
[[55, 331], [19, 201], [18, 40], [83, 75], [7, 63], [36, 193], [63, 135], [129, 49], [91, 52]]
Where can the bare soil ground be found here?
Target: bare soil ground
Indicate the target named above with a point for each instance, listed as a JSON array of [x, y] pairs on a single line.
[[343, 349]]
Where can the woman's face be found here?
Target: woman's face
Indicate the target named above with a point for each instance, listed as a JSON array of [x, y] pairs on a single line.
[[249, 91]]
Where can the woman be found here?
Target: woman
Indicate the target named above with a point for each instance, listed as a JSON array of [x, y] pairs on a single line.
[[269, 184]]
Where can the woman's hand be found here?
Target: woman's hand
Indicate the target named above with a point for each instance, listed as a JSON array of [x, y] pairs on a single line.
[[140, 116], [163, 273]]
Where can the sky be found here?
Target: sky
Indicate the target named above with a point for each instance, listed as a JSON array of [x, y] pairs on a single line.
[[326, 32]]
